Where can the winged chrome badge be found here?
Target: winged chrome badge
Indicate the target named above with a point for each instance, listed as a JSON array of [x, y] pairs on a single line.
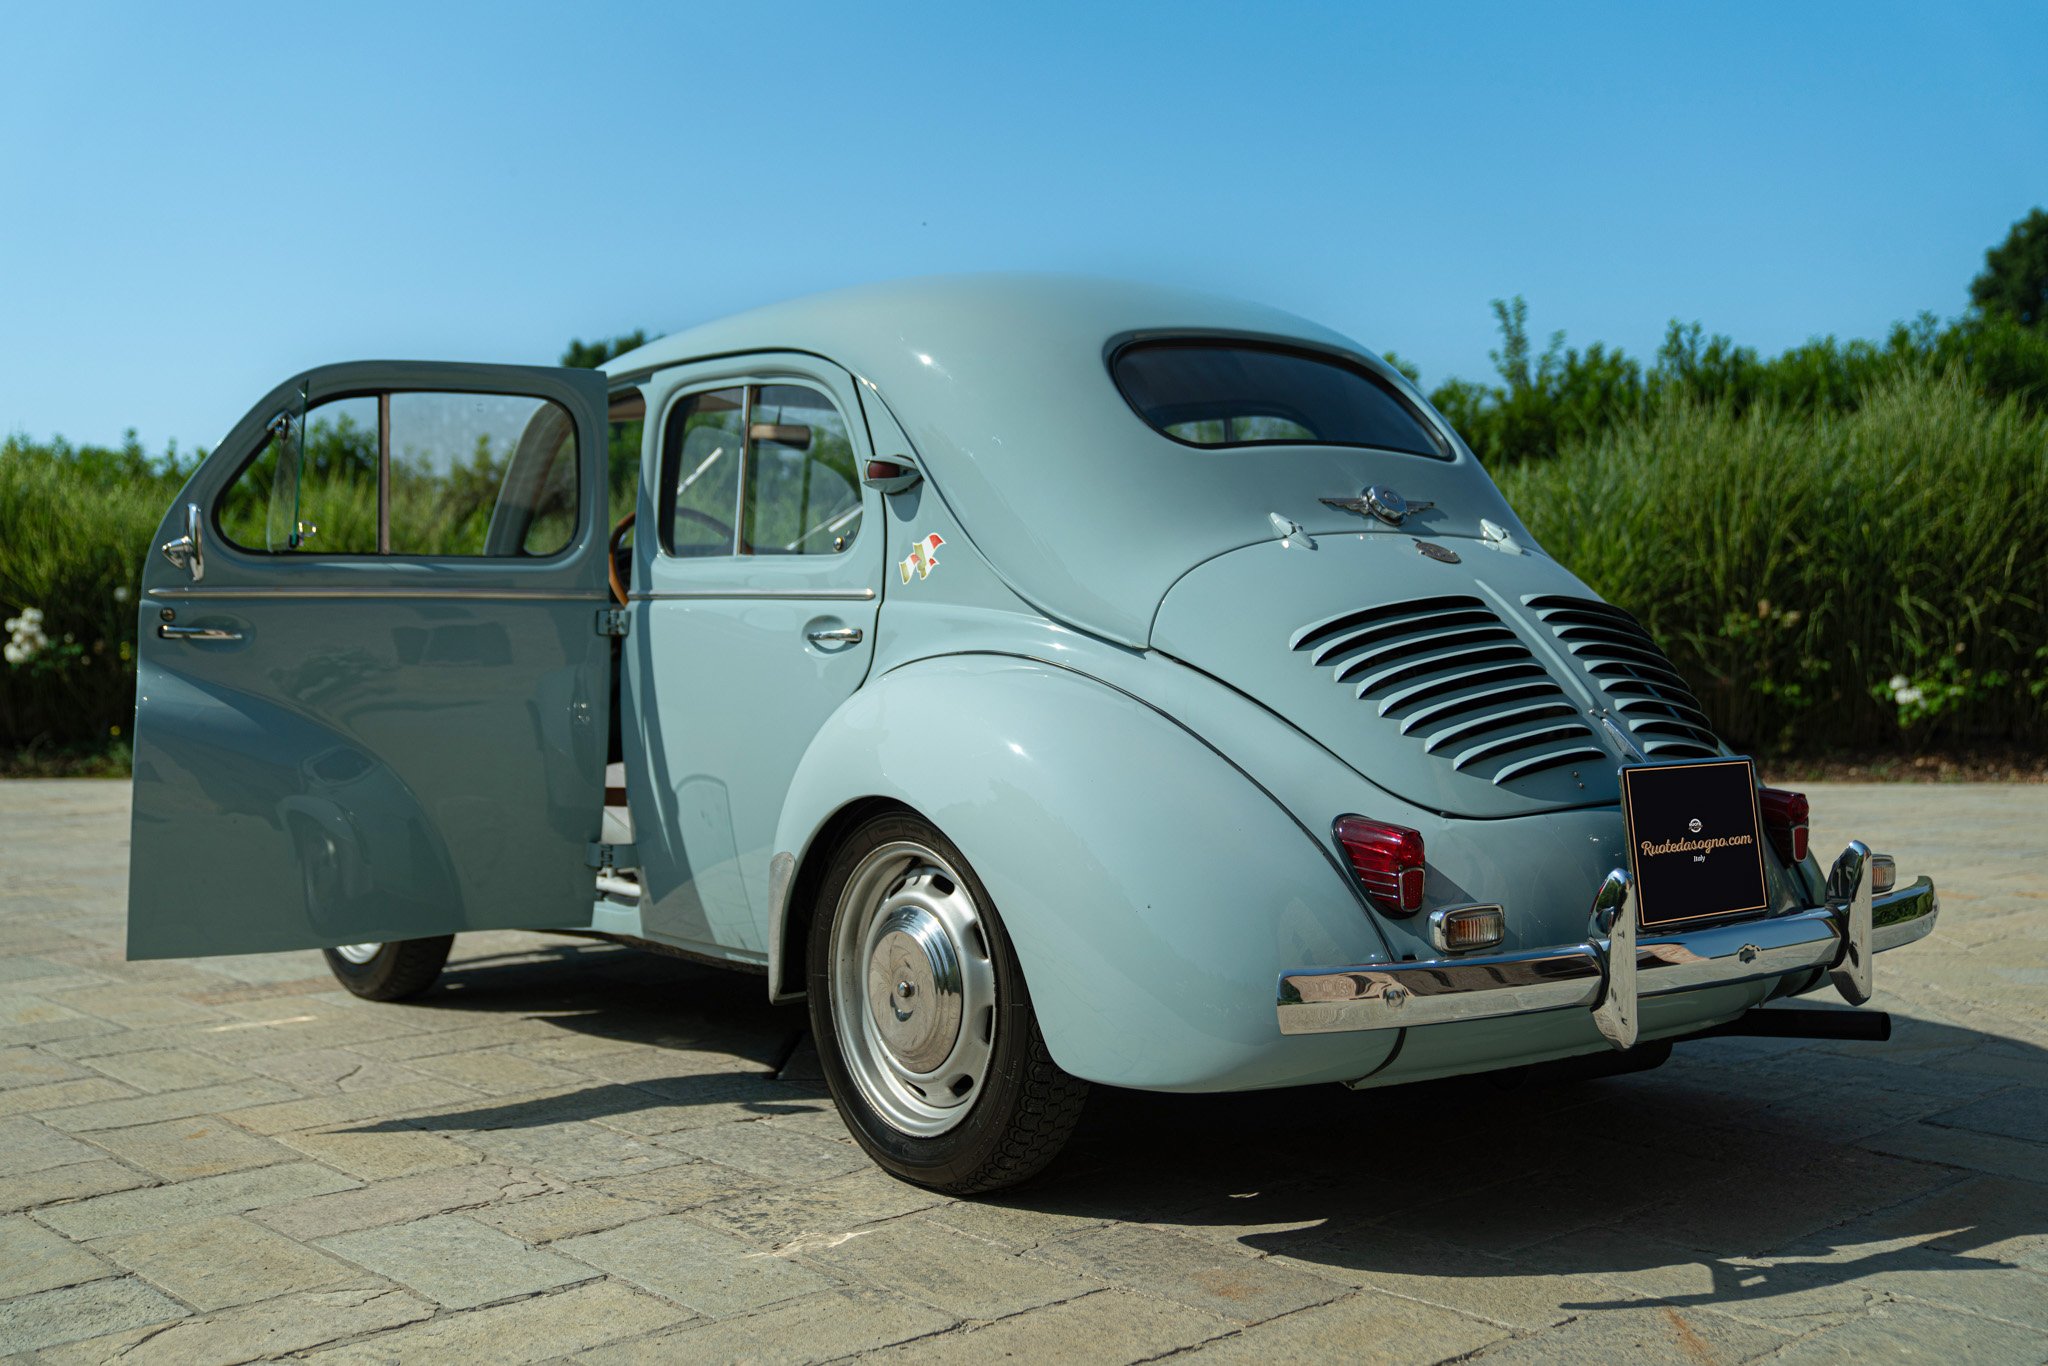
[[1381, 502]]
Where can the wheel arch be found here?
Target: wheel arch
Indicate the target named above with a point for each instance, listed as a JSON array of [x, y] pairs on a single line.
[[1152, 891], [793, 887]]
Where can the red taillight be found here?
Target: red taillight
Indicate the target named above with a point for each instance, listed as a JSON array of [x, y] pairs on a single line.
[[1784, 816], [1387, 859]]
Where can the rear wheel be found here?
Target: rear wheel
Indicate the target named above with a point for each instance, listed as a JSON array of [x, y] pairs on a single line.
[[395, 971], [924, 1025]]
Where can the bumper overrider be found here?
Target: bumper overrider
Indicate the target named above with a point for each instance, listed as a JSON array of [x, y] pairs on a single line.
[[1617, 964]]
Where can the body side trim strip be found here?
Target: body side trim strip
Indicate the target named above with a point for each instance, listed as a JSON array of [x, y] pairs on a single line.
[[712, 594], [491, 594]]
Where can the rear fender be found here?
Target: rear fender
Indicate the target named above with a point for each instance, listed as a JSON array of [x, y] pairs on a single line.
[[1153, 891]]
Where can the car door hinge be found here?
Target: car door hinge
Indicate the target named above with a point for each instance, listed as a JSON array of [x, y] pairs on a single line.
[[612, 621], [609, 858]]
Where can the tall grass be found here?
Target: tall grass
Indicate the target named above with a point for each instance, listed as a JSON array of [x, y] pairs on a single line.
[[73, 534], [1865, 578], [1825, 579]]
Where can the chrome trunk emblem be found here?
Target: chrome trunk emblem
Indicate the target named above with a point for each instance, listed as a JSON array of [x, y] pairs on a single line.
[[1381, 502]]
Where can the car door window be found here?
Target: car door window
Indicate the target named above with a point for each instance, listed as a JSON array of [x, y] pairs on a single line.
[[803, 497], [417, 474], [313, 487], [762, 469], [702, 450]]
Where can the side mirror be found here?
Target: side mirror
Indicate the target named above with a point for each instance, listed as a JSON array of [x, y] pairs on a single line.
[[186, 552], [892, 475]]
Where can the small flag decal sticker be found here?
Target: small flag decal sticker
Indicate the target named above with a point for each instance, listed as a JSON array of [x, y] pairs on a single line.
[[923, 557]]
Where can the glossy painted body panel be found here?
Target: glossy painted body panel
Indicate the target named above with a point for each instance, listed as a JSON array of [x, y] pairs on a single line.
[[1082, 509], [1149, 887], [1235, 617], [394, 748]]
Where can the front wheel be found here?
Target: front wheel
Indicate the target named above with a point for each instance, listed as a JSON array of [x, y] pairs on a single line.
[[924, 1026], [396, 971]]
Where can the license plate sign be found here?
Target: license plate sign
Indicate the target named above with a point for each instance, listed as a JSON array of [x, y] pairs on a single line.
[[1694, 840]]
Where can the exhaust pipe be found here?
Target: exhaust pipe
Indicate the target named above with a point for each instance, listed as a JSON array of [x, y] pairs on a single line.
[[1869, 1026]]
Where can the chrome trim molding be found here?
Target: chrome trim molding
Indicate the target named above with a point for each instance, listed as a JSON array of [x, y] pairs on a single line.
[[1849, 901], [1604, 976], [1614, 914], [166, 631], [435, 594], [714, 594]]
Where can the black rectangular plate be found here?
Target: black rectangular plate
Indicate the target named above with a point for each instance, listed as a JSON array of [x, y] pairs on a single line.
[[1694, 840]]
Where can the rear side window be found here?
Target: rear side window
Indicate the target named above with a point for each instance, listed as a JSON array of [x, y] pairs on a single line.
[[1221, 393]]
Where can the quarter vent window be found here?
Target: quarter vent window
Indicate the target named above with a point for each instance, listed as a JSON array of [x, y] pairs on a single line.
[[1459, 681], [1663, 716]]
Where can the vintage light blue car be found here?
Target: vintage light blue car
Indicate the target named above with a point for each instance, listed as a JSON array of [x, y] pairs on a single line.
[[1057, 681]]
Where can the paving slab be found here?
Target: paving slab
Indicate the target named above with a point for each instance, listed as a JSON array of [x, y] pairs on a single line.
[[456, 1261], [180, 1149], [219, 1262], [75, 1312], [706, 1271], [828, 1327], [569, 1149], [252, 1332], [543, 1328], [32, 1258], [233, 1193]]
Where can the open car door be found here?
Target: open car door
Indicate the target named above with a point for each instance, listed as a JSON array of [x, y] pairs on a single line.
[[373, 688]]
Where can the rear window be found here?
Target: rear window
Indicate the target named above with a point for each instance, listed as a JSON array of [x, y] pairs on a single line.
[[1237, 394]]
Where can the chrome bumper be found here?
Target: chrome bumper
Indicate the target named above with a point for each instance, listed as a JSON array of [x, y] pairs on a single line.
[[1615, 967]]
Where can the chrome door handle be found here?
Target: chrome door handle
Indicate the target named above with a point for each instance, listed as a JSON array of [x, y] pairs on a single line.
[[847, 635], [169, 632]]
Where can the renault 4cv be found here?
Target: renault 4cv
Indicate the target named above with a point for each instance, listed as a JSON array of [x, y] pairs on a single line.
[[1052, 681]]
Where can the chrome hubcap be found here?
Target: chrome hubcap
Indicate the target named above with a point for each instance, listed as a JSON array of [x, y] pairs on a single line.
[[913, 990], [358, 953]]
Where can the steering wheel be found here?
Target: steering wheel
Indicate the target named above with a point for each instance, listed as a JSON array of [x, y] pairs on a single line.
[[615, 552], [723, 528]]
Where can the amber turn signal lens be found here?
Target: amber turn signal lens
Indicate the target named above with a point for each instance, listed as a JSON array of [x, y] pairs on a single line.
[[1467, 927]]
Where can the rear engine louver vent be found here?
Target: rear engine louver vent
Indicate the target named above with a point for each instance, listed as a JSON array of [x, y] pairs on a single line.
[[1452, 675], [1663, 716]]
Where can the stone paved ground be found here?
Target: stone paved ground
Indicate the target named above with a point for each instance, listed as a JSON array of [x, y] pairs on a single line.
[[577, 1150]]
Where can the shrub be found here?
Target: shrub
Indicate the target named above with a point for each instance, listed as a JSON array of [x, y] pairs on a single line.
[[1825, 578], [75, 525]]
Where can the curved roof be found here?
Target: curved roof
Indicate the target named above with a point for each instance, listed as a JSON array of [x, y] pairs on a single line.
[[1000, 382]]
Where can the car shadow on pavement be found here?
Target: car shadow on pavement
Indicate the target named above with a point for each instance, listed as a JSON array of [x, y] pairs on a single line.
[[1773, 1172], [688, 1034], [1755, 1170]]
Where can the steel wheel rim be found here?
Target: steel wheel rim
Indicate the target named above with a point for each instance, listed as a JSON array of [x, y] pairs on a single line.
[[913, 988], [358, 954]]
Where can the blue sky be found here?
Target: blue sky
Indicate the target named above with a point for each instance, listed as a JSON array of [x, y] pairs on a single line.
[[197, 201]]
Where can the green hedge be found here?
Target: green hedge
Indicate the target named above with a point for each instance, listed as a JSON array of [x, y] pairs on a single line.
[[1830, 578], [1826, 579], [75, 525]]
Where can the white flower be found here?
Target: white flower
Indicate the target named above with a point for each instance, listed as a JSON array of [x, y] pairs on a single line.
[[32, 617], [16, 652], [1906, 697], [1899, 683], [122, 593]]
